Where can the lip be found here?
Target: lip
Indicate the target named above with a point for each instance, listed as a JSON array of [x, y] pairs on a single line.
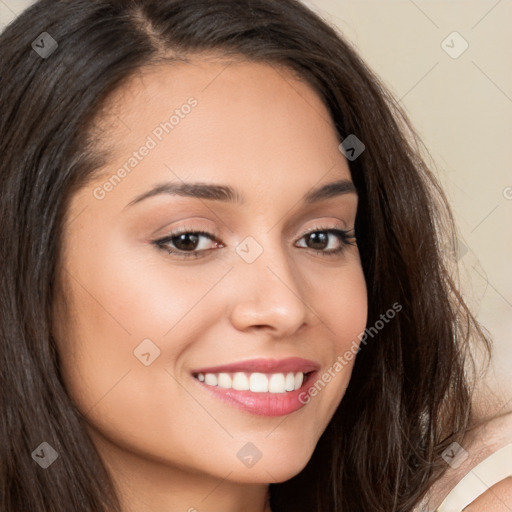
[[264, 404], [261, 365]]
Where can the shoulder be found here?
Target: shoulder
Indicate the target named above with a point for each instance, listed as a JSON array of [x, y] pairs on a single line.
[[497, 498], [480, 445]]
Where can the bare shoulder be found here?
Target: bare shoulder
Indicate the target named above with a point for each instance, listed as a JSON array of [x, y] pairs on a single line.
[[497, 498]]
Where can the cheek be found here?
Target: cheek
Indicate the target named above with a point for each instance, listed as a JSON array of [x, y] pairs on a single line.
[[122, 292], [343, 308], [341, 302], [117, 306], [120, 299]]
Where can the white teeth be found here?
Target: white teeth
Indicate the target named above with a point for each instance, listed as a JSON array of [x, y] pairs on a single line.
[[258, 382], [255, 382], [240, 382], [224, 380], [290, 382], [276, 383], [210, 379]]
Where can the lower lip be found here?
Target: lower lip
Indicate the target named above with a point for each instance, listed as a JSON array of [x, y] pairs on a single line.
[[264, 404]]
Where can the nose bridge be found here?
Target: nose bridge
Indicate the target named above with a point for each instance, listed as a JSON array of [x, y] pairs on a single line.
[[269, 291], [266, 257]]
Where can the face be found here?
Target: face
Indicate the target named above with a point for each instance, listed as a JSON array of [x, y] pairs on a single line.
[[156, 310]]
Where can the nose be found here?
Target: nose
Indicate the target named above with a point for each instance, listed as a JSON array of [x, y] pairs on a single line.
[[268, 294]]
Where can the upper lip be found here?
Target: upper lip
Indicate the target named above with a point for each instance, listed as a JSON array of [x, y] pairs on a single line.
[[290, 364]]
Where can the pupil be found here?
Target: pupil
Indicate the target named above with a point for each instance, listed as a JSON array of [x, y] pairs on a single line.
[[183, 238], [319, 238]]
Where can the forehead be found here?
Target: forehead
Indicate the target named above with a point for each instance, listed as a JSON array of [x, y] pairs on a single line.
[[228, 120], [212, 77]]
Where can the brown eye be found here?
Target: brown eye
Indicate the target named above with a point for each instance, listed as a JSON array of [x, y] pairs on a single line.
[[319, 240], [186, 241]]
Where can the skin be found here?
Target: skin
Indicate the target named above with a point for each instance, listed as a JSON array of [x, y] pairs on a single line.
[[497, 499], [169, 445]]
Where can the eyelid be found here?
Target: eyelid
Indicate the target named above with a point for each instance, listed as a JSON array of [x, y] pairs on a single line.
[[214, 233], [211, 234], [322, 226]]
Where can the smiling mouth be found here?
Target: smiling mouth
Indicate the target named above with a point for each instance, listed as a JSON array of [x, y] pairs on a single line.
[[256, 382]]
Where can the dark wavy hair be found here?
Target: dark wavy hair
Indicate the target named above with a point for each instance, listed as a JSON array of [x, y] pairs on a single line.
[[409, 396]]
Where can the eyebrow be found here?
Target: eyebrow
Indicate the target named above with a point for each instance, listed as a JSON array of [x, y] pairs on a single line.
[[226, 193]]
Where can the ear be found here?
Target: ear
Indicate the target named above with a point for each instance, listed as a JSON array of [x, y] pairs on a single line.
[[497, 498]]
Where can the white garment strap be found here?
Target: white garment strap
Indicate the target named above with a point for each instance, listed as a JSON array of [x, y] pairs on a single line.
[[490, 471]]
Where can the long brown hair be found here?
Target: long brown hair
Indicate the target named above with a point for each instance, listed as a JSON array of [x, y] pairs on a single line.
[[409, 396]]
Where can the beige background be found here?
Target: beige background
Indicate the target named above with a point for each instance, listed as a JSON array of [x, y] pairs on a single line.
[[462, 108]]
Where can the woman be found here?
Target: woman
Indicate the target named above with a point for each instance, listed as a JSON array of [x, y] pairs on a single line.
[[223, 286]]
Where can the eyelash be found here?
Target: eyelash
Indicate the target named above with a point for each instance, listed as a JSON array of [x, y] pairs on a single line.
[[345, 236]]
